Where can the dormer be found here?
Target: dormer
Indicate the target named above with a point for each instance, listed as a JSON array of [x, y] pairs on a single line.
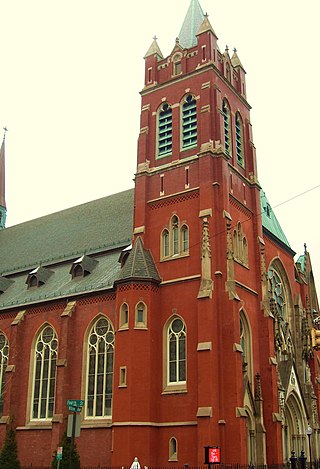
[[124, 255], [38, 277], [83, 266], [4, 284]]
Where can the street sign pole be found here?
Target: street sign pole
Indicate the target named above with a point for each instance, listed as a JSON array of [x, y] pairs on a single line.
[[72, 437]]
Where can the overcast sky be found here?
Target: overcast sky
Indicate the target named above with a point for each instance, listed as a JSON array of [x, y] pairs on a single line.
[[71, 72]]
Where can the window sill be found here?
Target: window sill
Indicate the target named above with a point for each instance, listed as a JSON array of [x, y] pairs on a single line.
[[37, 425], [175, 389], [175, 256], [93, 423], [125, 327], [141, 328]]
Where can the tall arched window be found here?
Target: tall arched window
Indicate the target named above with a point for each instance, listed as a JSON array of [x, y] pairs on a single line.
[[44, 382], [226, 127], [141, 315], [4, 355], [175, 235], [165, 243], [239, 140], [173, 449], [165, 130], [189, 122], [124, 316], [184, 239], [100, 369], [176, 352], [277, 292], [245, 341]]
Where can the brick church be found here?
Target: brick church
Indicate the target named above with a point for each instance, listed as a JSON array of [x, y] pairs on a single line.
[[175, 310]]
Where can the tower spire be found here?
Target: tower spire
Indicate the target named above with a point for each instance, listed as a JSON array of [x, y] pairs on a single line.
[[3, 209], [191, 25]]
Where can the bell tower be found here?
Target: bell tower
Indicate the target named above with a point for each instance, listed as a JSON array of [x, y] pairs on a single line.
[[197, 210]]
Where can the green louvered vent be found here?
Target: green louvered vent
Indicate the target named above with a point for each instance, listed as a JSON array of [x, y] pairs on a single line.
[[226, 126], [165, 131], [189, 122], [239, 140]]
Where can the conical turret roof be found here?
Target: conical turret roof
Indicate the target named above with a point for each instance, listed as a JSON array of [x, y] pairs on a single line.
[[191, 25], [154, 49], [205, 26]]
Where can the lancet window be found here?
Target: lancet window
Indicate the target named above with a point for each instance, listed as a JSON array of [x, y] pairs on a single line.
[[175, 240], [100, 353], [165, 130], [189, 122], [4, 356], [44, 379]]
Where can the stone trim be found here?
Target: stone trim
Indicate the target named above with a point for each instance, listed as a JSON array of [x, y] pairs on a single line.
[[204, 412], [204, 346], [69, 309], [19, 318]]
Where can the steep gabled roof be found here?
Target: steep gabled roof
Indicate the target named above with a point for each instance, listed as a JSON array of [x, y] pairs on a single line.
[[270, 222], [191, 25], [139, 265], [93, 227]]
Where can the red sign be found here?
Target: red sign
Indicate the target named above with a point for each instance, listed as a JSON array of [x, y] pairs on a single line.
[[214, 455]]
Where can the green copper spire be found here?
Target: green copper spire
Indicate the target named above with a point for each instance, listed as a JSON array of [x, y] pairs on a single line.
[[191, 25]]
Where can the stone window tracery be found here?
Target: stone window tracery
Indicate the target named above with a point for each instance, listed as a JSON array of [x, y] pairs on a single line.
[[240, 245], [100, 354], [176, 352], [175, 240], [4, 356], [44, 379]]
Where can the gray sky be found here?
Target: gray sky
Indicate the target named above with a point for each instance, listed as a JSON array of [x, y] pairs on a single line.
[[71, 72]]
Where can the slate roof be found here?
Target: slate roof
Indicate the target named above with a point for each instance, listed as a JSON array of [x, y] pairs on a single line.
[[92, 227], [101, 229], [139, 265]]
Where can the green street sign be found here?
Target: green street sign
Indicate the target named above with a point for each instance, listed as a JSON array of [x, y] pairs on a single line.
[[73, 408], [59, 457], [75, 402]]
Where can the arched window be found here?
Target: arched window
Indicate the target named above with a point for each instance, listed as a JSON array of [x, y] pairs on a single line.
[[165, 243], [189, 122], [176, 352], [44, 380], [245, 342], [175, 240], [100, 369], [239, 140], [124, 316], [228, 72], [173, 449], [141, 315], [240, 245], [175, 235], [4, 355], [184, 239], [177, 64], [226, 127], [78, 271], [165, 130], [277, 291]]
